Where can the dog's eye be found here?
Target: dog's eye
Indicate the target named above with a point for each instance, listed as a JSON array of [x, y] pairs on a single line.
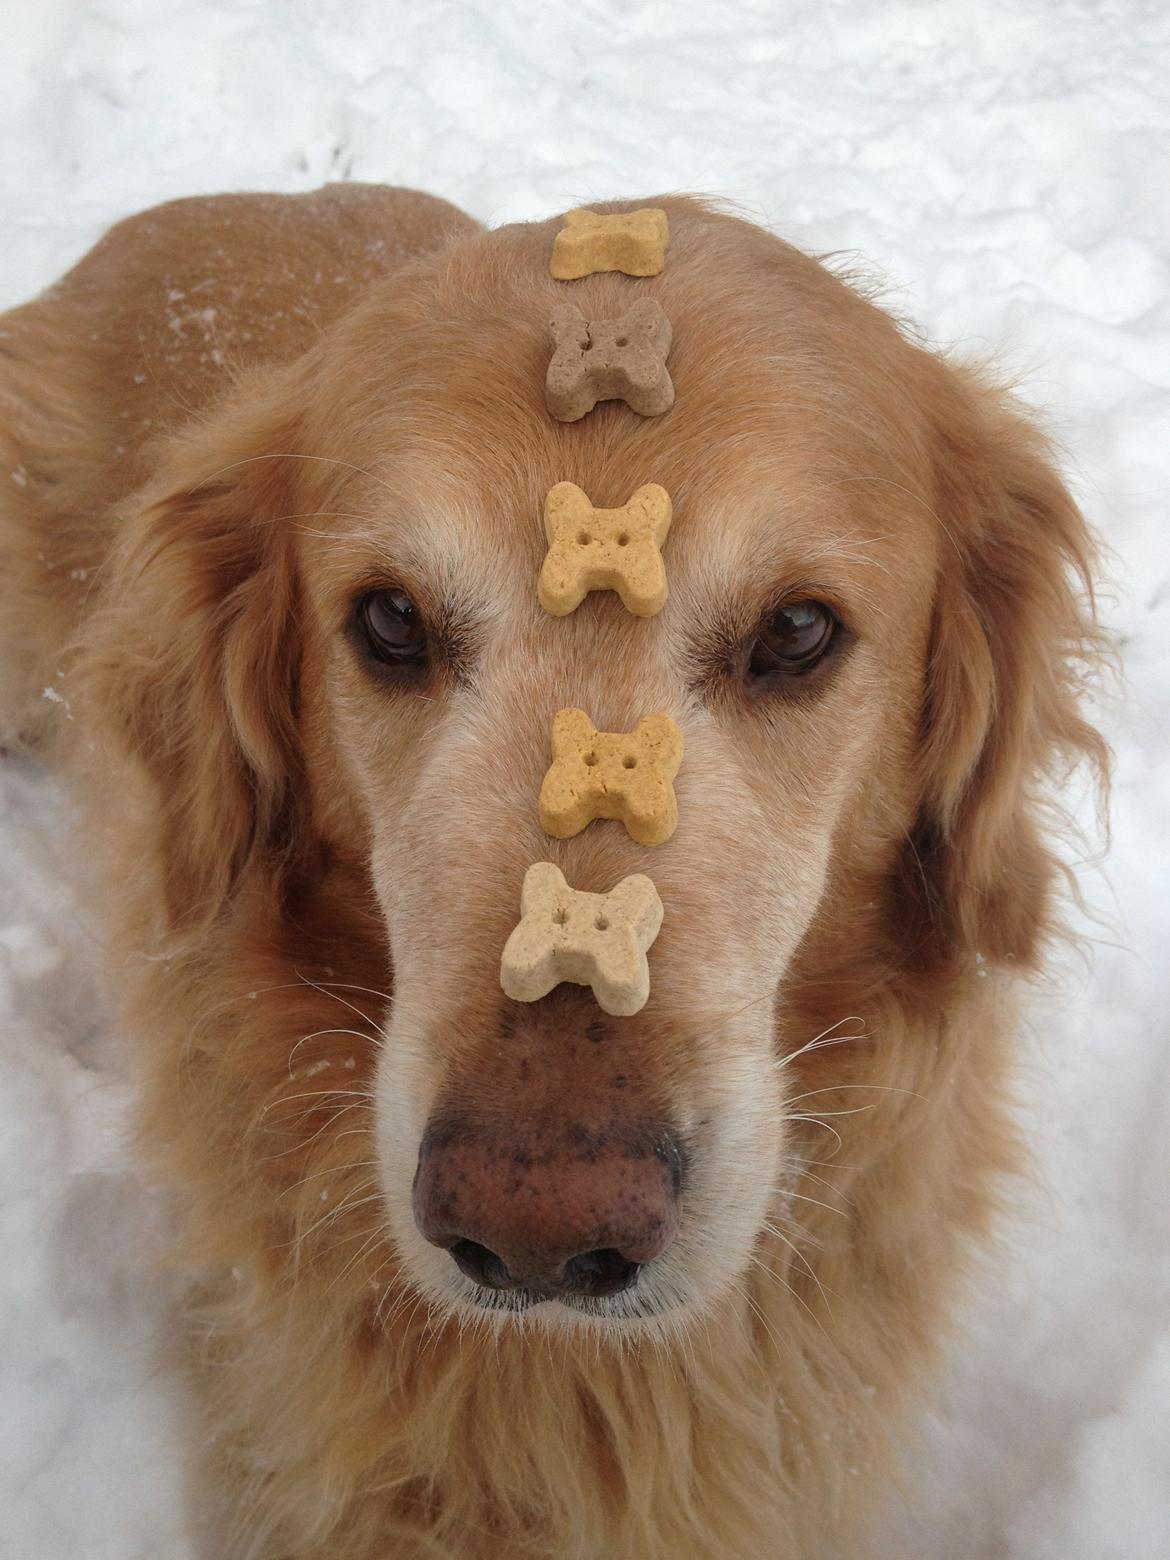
[[792, 640], [392, 628]]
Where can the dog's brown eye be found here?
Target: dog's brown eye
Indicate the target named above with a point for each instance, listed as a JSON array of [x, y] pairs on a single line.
[[793, 639], [392, 628]]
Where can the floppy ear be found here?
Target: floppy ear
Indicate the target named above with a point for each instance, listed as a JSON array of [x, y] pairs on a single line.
[[191, 665], [1013, 639]]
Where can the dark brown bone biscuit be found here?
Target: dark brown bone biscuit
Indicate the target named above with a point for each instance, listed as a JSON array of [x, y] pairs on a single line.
[[609, 360]]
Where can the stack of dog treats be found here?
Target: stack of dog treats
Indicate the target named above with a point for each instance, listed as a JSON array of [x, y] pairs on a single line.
[[601, 940]]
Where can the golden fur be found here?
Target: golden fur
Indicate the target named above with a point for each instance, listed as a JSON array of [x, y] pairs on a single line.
[[229, 418]]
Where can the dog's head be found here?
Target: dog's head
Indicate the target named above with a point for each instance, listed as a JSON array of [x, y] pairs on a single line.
[[324, 644]]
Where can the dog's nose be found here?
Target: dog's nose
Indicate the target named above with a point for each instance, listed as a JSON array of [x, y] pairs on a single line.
[[554, 1211]]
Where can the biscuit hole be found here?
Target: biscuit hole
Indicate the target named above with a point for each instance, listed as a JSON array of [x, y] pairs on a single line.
[[622, 341], [591, 759], [623, 539], [560, 916], [583, 538], [601, 923], [629, 762]]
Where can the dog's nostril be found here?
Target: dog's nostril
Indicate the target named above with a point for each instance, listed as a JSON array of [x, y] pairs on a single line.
[[598, 1273], [481, 1265]]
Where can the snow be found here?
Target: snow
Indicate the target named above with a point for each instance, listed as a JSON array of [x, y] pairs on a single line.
[[1005, 165]]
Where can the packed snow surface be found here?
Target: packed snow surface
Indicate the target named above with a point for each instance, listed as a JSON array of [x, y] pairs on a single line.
[[1006, 165]]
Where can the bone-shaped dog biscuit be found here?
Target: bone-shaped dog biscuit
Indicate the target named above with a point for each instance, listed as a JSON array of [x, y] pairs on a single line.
[[612, 774], [630, 241], [609, 360], [604, 549], [597, 940]]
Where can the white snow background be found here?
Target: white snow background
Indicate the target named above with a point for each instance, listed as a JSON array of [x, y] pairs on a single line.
[[1007, 165]]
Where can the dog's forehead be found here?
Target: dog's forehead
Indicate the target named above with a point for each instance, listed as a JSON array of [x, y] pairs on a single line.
[[789, 433]]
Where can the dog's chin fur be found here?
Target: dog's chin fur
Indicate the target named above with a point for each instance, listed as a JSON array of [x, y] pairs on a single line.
[[311, 873]]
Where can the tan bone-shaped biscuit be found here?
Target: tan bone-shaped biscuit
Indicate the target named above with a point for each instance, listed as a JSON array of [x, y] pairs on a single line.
[[630, 241], [597, 940], [609, 360], [612, 774], [604, 549]]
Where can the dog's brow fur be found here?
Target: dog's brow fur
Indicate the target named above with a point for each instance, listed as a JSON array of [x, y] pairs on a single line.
[[310, 875]]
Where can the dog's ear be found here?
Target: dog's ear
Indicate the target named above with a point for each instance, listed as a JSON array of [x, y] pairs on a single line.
[[1012, 640], [192, 663]]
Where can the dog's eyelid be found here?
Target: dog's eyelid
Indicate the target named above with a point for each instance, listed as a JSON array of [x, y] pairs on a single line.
[[386, 578], [724, 634], [346, 600], [794, 593]]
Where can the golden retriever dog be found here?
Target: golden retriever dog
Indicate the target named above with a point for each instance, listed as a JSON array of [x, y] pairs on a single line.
[[472, 1277]]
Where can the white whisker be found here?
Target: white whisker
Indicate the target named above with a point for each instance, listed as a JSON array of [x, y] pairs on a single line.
[[316, 1035], [833, 1088]]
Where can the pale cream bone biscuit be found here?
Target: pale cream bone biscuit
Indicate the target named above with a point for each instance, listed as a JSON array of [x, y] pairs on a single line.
[[630, 241], [597, 940], [612, 774], [609, 360], [604, 549]]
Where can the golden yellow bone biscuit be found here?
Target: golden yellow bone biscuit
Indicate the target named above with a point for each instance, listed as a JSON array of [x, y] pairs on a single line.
[[612, 774], [597, 940], [630, 241], [604, 549]]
